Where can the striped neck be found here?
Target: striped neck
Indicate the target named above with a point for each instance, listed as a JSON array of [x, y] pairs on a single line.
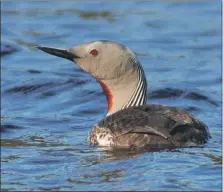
[[139, 95], [128, 91]]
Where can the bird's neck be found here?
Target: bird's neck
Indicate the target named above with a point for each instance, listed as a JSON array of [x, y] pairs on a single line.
[[127, 91]]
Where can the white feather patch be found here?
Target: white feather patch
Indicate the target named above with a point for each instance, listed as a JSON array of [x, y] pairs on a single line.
[[104, 140]]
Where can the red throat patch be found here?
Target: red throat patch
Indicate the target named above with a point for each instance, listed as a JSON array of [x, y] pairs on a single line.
[[108, 95]]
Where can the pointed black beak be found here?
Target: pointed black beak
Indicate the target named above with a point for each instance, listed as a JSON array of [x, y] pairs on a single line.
[[59, 52]]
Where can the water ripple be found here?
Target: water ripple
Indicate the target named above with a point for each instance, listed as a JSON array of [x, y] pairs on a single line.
[[174, 92]]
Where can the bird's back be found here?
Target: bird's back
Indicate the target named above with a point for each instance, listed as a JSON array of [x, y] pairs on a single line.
[[151, 126]]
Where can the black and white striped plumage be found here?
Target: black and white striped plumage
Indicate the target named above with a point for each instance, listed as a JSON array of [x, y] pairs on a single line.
[[140, 95]]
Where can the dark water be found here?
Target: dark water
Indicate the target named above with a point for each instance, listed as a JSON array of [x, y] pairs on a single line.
[[49, 105]]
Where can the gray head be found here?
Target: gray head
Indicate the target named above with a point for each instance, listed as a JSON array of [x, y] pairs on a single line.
[[102, 59], [114, 66]]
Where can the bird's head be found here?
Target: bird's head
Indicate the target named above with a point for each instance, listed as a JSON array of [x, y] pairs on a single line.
[[114, 66], [104, 60]]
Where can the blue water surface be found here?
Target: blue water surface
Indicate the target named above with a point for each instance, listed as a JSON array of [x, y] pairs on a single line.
[[49, 105]]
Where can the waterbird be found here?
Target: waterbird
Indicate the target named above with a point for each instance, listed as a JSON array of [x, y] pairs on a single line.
[[130, 122]]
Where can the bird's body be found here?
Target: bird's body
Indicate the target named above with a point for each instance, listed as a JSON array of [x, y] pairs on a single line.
[[130, 122], [151, 126]]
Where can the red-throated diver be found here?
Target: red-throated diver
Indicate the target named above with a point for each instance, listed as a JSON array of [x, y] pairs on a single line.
[[130, 122]]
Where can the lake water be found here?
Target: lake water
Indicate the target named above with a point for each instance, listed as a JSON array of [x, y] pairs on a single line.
[[49, 105]]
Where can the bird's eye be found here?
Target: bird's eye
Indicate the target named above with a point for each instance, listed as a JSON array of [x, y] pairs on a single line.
[[94, 52]]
